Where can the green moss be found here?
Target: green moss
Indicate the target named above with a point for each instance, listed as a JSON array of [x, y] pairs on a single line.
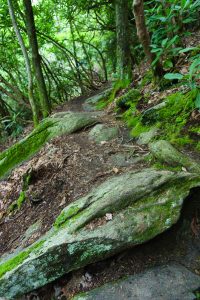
[[18, 259], [160, 166], [138, 129], [25, 148], [198, 146], [129, 100], [66, 215], [170, 119], [147, 78], [18, 203], [117, 86]]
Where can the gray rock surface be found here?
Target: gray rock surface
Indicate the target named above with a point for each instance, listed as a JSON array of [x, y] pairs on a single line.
[[142, 205], [90, 103], [101, 133], [146, 137], [166, 153], [124, 159], [170, 282]]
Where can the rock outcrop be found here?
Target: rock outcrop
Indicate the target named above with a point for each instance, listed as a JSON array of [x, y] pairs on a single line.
[[122, 212], [61, 123], [168, 282]]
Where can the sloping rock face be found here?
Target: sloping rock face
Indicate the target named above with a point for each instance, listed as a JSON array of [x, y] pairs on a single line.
[[166, 153], [63, 123], [168, 282], [140, 205]]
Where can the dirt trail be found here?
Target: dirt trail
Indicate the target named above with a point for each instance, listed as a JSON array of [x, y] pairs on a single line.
[[66, 169]]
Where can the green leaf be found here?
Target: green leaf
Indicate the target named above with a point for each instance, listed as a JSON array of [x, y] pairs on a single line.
[[172, 76], [188, 49], [168, 64]]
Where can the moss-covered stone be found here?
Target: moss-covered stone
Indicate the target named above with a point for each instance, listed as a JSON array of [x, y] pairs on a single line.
[[130, 99], [170, 117], [102, 133], [143, 205], [18, 259], [49, 128], [166, 153]]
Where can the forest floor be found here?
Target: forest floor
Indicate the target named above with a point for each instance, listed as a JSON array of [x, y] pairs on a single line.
[[67, 168]]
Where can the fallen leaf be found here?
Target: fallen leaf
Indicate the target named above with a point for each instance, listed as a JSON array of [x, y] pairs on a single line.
[[109, 217], [115, 170]]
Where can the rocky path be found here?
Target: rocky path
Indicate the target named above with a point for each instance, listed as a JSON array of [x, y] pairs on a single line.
[[113, 200]]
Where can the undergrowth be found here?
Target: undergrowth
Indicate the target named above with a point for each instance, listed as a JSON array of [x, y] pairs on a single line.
[[171, 119]]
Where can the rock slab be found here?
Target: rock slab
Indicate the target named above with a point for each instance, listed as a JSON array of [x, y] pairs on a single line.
[[60, 123], [170, 282], [142, 205]]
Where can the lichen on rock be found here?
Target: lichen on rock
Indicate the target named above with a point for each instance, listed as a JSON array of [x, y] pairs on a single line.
[[143, 204]]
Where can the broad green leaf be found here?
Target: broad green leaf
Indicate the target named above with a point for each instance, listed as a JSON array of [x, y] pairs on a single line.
[[172, 76], [188, 49]]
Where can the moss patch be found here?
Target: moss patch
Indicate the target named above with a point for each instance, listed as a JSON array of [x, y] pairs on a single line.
[[18, 259], [117, 86], [170, 119], [18, 203], [65, 215]]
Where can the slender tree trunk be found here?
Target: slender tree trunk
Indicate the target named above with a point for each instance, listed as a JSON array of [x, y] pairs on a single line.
[[143, 35], [27, 62], [76, 59], [36, 59], [123, 40]]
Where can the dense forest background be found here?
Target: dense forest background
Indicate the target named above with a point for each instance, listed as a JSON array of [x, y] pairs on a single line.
[[52, 51]]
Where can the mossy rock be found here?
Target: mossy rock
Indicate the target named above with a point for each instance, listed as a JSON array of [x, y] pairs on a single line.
[[171, 117], [146, 137], [61, 123], [102, 133], [129, 99], [91, 103], [142, 204], [152, 115], [166, 153]]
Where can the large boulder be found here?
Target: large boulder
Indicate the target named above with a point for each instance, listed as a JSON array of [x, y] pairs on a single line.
[[122, 212], [168, 282], [60, 123]]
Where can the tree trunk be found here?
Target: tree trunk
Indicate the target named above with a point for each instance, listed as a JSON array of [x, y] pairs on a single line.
[[27, 62], [143, 35], [36, 59], [123, 40]]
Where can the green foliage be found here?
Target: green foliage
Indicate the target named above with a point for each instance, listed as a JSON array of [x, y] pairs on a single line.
[[170, 119], [117, 86], [13, 124], [167, 22], [129, 99], [172, 76]]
